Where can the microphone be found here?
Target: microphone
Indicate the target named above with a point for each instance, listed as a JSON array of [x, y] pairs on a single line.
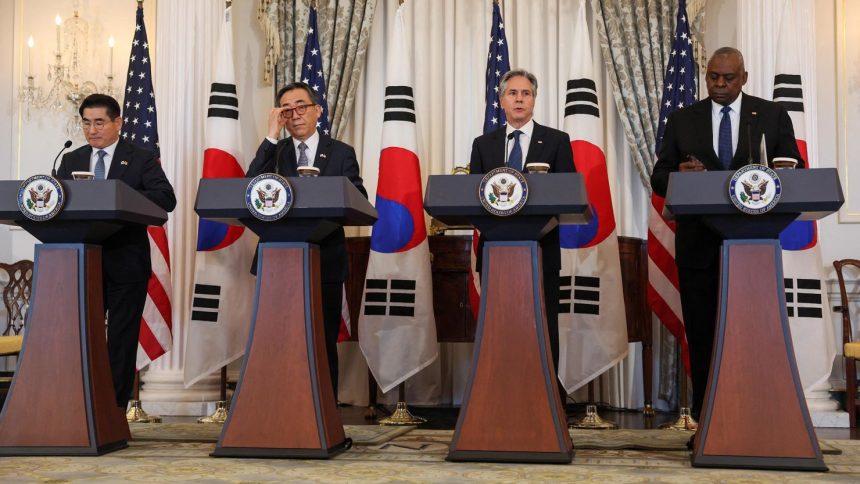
[[66, 146], [508, 139], [750, 160], [278, 156]]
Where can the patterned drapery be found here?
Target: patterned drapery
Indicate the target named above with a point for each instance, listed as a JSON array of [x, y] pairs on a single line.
[[344, 32], [636, 37]]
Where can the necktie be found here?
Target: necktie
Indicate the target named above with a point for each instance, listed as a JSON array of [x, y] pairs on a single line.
[[515, 160], [303, 157], [100, 165], [725, 138]]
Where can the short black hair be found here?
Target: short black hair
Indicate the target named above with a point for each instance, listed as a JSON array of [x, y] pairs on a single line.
[[101, 101], [293, 86]]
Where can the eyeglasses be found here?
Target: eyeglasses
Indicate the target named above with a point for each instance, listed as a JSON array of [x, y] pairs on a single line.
[[300, 110], [98, 124]]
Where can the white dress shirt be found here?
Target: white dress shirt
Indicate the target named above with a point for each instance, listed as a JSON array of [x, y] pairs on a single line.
[[525, 139], [734, 116], [312, 143], [94, 158]]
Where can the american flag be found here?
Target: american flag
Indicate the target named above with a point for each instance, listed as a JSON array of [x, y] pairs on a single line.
[[312, 69], [141, 128], [312, 75], [498, 63], [679, 91]]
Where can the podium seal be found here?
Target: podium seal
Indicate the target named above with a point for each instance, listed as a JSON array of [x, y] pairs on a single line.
[[503, 191], [269, 197], [755, 189], [41, 198]]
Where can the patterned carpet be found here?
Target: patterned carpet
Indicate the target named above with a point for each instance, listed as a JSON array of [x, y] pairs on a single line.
[[409, 456]]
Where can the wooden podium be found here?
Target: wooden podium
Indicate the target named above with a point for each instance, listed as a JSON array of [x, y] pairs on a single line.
[[62, 400], [284, 403], [511, 409], [754, 413]]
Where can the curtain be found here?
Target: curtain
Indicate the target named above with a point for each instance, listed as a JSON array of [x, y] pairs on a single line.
[[636, 36], [449, 42], [344, 33]]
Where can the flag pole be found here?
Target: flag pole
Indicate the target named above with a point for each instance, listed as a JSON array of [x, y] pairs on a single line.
[[685, 420]]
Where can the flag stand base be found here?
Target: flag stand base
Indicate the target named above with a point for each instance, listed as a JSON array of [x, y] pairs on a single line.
[[136, 414], [402, 416], [219, 416], [593, 421], [684, 421]]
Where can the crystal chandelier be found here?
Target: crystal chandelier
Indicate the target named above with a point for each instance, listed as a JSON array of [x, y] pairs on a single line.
[[67, 86]]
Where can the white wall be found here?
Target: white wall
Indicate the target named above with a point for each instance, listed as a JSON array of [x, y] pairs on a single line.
[[28, 145]]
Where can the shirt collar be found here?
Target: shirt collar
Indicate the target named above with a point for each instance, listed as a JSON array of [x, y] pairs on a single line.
[[313, 141], [526, 128], [735, 105], [108, 149]]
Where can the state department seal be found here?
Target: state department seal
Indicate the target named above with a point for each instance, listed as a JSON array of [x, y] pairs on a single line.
[[503, 191], [41, 198], [755, 189], [269, 197]]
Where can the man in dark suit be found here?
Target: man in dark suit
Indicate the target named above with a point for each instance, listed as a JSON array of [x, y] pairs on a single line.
[[520, 142], [298, 111], [713, 134], [125, 255]]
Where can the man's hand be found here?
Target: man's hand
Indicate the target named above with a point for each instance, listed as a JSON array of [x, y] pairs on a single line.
[[692, 164], [276, 122]]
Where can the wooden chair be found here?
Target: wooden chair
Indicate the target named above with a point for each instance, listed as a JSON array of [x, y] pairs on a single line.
[[16, 299], [851, 349]]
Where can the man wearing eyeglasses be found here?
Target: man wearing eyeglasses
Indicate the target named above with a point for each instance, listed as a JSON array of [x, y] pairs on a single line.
[[125, 255], [298, 111]]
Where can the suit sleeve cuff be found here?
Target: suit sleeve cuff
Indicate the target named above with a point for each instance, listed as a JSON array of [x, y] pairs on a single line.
[[272, 140]]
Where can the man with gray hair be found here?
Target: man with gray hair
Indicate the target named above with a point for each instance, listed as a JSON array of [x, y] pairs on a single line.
[[520, 142]]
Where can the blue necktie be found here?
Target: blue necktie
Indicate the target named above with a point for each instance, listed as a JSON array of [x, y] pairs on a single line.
[[100, 165], [303, 157], [725, 139], [515, 160]]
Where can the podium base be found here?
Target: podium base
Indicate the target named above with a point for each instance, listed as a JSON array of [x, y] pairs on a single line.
[[753, 367], [62, 400], [512, 457], [268, 453], [63, 451], [512, 410], [284, 404]]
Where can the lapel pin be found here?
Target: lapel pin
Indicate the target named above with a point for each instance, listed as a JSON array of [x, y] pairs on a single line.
[[123, 162], [540, 141], [754, 113], [322, 155]]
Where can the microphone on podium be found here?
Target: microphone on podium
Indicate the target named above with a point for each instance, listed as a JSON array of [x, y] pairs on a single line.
[[66, 146], [508, 139]]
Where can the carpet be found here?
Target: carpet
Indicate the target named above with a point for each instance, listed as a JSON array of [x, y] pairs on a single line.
[[415, 456], [209, 433], [620, 439]]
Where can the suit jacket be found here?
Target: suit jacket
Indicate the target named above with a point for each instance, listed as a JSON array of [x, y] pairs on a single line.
[[125, 255], [333, 158], [547, 145], [689, 132]]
